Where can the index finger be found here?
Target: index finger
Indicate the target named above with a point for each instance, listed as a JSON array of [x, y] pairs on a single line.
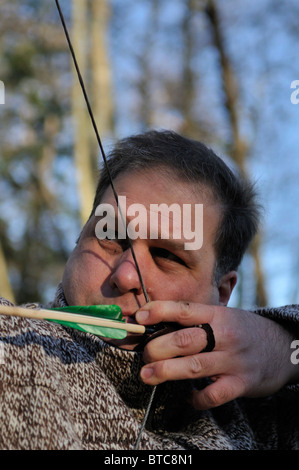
[[182, 312]]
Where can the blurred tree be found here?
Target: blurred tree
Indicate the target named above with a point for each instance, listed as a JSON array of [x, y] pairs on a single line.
[[90, 22], [31, 204], [102, 83], [239, 148], [188, 93], [82, 153], [41, 153]]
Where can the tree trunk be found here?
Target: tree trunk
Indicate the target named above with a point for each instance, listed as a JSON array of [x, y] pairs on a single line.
[[101, 71], [82, 154], [239, 148], [188, 87]]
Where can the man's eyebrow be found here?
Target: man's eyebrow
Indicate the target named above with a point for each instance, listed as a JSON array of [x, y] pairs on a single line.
[[173, 243]]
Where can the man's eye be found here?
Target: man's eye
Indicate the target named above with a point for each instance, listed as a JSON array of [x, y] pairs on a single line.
[[167, 255], [110, 236], [110, 240]]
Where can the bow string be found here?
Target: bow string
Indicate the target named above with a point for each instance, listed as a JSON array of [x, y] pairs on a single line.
[[136, 445]]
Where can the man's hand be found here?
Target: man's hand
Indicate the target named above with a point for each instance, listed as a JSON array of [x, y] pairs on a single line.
[[251, 357]]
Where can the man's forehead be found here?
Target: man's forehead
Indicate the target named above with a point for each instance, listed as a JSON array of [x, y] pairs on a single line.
[[154, 186]]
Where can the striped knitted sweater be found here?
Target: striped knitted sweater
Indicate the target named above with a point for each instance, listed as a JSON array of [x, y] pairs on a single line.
[[64, 389]]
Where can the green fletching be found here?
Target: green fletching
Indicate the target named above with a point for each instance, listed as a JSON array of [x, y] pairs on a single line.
[[108, 312], [112, 333]]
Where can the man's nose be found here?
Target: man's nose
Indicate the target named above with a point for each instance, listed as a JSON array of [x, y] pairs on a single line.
[[124, 276]]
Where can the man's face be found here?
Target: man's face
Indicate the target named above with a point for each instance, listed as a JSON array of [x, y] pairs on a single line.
[[102, 271]]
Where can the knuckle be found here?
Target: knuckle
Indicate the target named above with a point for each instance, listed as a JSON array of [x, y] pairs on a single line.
[[195, 365], [223, 392], [183, 338], [216, 397], [200, 366], [185, 311], [193, 338], [212, 399]]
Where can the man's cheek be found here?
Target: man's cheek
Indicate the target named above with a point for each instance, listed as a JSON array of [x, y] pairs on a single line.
[[73, 282]]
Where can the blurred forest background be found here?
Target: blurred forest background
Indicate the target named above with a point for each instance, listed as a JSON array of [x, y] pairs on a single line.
[[218, 71]]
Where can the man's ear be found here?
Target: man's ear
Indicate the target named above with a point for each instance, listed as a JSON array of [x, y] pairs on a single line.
[[226, 286]]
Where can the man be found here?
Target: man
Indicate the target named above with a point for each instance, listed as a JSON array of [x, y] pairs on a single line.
[[67, 389]]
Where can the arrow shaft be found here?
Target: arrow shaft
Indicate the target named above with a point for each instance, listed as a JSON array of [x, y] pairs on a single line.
[[44, 314]]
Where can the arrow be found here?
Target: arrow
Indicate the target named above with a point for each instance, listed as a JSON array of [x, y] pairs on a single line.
[[100, 320]]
